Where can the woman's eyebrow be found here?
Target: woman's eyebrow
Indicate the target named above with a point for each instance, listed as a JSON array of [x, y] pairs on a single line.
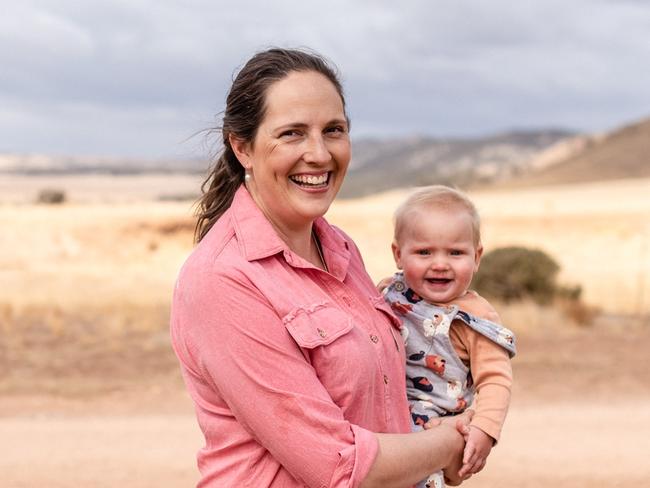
[[292, 125], [304, 125]]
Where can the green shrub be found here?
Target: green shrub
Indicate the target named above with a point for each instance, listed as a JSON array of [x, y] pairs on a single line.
[[51, 196], [515, 273]]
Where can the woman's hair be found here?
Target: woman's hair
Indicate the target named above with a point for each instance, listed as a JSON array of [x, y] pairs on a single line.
[[244, 112], [436, 197]]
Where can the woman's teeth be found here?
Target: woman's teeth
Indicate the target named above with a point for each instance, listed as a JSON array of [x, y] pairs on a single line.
[[310, 179]]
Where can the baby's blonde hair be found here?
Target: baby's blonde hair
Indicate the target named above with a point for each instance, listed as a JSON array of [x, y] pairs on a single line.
[[437, 197]]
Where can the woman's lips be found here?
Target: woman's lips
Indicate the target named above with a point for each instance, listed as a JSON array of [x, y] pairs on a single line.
[[311, 180]]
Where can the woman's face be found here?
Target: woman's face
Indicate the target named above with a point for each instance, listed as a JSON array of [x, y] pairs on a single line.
[[301, 151]]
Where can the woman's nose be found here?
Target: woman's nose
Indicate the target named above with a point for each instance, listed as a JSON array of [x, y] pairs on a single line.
[[316, 150]]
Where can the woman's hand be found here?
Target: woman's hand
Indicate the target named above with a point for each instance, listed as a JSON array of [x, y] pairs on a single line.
[[475, 304], [453, 473]]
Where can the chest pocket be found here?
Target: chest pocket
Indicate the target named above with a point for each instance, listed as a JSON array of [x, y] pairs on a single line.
[[317, 325], [344, 360]]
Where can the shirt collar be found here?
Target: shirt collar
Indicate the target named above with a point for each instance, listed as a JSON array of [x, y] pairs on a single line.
[[258, 239], [254, 232]]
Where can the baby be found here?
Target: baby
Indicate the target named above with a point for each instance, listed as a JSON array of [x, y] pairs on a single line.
[[450, 354]]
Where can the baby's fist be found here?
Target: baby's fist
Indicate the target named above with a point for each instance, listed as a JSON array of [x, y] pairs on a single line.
[[477, 449]]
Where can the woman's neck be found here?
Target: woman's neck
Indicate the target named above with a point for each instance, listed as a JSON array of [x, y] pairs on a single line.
[[304, 243], [298, 237]]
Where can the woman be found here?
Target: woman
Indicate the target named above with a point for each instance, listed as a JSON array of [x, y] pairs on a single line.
[[293, 360]]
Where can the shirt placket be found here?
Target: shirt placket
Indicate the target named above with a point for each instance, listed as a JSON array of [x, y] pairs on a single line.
[[367, 317]]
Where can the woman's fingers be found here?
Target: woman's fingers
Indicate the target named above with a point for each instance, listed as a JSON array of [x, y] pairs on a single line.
[[463, 420], [434, 422], [470, 454]]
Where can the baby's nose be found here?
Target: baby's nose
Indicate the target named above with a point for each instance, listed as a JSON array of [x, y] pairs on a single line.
[[439, 262]]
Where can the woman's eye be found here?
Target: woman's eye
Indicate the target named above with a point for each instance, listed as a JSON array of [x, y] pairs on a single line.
[[336, 129], [289, 133]]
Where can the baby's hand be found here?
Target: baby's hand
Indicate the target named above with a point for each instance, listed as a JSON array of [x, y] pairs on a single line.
[[477, 448], [381, 286]]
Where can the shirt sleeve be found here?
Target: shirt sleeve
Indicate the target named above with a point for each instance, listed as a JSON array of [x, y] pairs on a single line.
[[492, 374], [230, 337]]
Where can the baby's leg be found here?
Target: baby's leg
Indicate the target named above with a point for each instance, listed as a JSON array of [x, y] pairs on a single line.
[[435, 480]]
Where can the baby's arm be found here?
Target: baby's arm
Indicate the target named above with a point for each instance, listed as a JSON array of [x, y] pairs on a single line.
[[492, 374], [478, 306]]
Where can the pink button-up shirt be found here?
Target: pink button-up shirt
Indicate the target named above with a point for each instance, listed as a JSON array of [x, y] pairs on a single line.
[[291, 368]]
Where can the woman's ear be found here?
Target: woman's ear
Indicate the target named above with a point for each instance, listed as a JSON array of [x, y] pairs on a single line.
[[241, 149]]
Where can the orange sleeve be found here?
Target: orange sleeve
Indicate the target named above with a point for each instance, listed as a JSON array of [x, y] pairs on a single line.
[[491, 370]]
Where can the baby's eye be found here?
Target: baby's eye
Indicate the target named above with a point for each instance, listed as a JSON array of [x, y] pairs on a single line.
[[422, 252], [456, 252]]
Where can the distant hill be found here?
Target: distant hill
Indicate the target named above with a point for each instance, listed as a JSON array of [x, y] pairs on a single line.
[[41, 164], [518, 158], [623, 153], [379, 165]]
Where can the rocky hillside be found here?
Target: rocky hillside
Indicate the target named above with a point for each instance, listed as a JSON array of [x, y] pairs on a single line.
[[510, 159], [379, 165], [622, 153]]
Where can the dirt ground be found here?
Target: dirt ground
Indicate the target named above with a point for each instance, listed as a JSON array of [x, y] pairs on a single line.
[[580, 417]]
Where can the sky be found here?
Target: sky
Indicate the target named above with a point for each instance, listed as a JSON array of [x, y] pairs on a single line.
[[144, 78]]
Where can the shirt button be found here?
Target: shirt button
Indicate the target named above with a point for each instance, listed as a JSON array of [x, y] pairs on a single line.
[[322, 333], [374, 338], [346, 300], [385, 379]]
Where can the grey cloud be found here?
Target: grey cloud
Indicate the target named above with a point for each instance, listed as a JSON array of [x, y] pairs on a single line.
[[144, 75]]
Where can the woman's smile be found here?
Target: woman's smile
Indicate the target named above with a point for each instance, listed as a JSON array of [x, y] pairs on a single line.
[[311, 181]]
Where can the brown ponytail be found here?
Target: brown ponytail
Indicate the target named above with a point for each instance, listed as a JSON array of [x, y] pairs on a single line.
[[218, 190]]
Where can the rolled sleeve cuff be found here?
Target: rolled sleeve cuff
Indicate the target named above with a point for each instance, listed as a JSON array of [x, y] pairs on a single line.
[[356, 459], [489, 426]]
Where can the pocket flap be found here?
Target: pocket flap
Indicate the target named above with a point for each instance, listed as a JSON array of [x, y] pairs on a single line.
[[317, 325]]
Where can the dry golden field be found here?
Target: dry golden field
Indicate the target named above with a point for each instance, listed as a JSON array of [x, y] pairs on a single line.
[[90, 394], [599, 233]]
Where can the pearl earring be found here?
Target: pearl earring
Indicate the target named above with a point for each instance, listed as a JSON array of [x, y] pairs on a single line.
[[247, 177]]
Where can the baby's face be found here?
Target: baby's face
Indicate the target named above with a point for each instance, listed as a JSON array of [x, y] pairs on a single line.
[[437, 253]]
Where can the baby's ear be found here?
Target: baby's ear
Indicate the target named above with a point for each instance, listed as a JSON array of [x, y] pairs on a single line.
[[397, 254], [477, 256]]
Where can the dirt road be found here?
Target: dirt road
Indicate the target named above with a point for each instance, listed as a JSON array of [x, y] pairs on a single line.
[[580, 418], [563, 445]]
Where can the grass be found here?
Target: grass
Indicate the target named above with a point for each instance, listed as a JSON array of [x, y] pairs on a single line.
[[111, 266]]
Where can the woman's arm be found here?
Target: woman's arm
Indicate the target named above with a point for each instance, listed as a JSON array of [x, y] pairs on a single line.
[[405, 459]]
